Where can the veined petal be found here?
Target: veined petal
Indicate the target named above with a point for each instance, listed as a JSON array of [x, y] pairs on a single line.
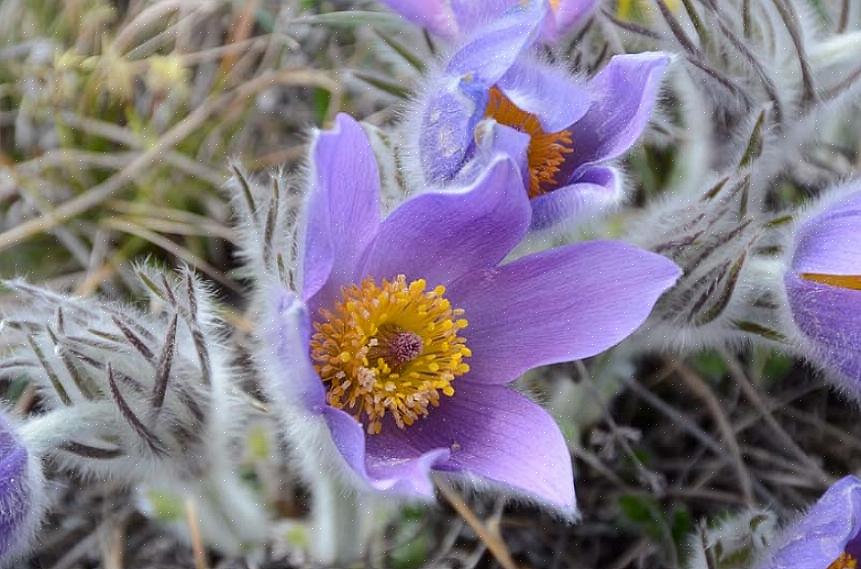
[[439, 236], [824, 532], [380, 469], [496, 435], [597, 189], [557, 99], [559, 305], [284, 332], [828, 243], [434, 15], [342, 212], [830, 319], [624, 94]]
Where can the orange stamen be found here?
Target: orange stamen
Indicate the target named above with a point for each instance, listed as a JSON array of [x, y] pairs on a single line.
[[852, 282], [547, 150], [845, 561]]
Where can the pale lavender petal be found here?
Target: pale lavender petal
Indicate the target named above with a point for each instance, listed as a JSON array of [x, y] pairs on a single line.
[[597, 189], [624, 94], [19, 505], [824, 532], [448, 118], [471, 15], [829, 243], [284, 332], [559, 305], [435, 15], [567, 15], [492, 50], [549, 93], [830, 318], [342, 212], [439, 236], [386, 472], [494, 139], [494, 434]]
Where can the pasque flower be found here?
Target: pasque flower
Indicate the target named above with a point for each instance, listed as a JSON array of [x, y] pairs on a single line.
[[492, 95], [823, 284], [827, 537], [454, 18], [396, 352], [21, 494]]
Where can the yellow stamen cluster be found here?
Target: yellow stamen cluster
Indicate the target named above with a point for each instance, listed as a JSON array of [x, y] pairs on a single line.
[[852, 282], [547, 150], [845, 561], [389, 348]]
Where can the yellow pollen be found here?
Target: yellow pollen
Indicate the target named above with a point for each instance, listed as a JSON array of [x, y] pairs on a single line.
[[391, 349], [845, 561], [852, 282], [546, 151]]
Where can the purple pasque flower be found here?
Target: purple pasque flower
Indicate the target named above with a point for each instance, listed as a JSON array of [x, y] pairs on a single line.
[[493, 96], [21, 494], [823, 285], [455, 18], [397, 352], [827, 537]]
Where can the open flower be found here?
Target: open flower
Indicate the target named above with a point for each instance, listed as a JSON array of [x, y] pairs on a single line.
[[492, 95], [405, 332], [823, 285], [21, 494], [454, 18], [827, 537]]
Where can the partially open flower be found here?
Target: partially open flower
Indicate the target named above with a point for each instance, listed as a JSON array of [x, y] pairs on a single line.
[[453, 18], [492, 96], [828, 536], [405, 332], [823, 285], [21, 494]]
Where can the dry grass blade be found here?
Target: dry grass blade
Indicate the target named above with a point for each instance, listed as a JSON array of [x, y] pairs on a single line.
[[702, 390], [490, 538], [192, 122], [200, 561]]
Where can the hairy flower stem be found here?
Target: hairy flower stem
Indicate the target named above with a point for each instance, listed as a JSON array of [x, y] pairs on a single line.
[[342, 519]]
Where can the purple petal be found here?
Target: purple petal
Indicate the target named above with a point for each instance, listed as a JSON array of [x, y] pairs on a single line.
[[439, 236], [342, 212], [624, 94], [824, 532], [597, 189], [448, 119], [389, 472], [471, 15], [494, 139], [435, 15], [828, 243], [549, 93], [493, 49], [284, 332], [829, 317], [19, 504], [567, 15], [494, 434], [559, 305]]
